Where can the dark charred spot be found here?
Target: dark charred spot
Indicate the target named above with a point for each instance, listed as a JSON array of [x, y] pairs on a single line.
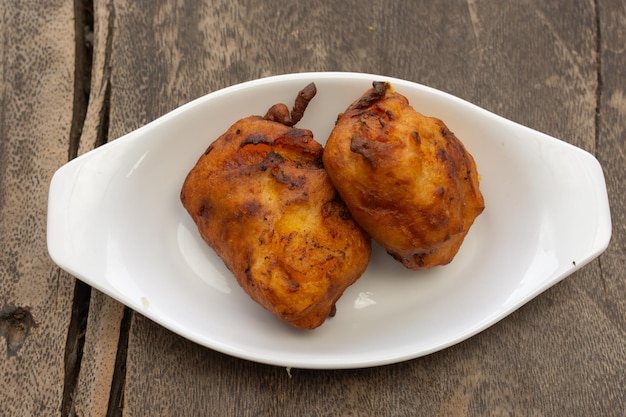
[[273, 159], [204, 207], [210, 148], [461, 149], [416, 137], [254, 139], [287, 239], [328, 208], [317, 245], [444, 131], [441, 155], [248, 273], [362, 146], [296, 133], [333, 311], [372, 150], [418, 258], [290, 182], [292, 286], [251, 207], [238, 131], [357, 143], [390, 115], [300, 140], [271, 162], [337, 207], [298, 199], [372, 96], [440, 191]]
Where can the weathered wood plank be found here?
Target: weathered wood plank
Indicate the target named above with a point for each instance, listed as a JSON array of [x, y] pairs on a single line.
[[534, 62], [95, 128], [97, 370], [36, 109]]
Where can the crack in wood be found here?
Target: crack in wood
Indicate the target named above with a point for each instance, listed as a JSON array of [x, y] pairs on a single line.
[[102, 133], [83, 29], [116, 397], [82, 73], [74, 344], [597, 116], [599, 79]]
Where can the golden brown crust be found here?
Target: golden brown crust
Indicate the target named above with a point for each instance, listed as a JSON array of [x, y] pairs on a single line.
[[406, 178], [263, 201]]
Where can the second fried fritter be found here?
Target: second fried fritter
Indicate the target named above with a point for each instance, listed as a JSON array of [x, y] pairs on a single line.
[[262, 200], [406, 178]]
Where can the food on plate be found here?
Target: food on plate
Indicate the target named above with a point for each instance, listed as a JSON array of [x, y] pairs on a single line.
[[406, 178], [262, 200]]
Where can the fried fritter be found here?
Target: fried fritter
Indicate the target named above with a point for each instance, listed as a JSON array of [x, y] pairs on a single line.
[[262, 200], [406, 178]]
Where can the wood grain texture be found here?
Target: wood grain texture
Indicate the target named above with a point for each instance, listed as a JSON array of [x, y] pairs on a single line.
[[558, 67], [36, 110], [96, 124], [92, 395], [534, 62]]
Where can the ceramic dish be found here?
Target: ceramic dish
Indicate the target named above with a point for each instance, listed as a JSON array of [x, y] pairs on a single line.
[[115, 221]]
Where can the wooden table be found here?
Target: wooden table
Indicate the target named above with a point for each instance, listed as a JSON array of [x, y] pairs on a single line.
[[74, 75]]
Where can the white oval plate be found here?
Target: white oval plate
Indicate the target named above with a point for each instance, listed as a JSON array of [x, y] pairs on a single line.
[[115, 221]]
